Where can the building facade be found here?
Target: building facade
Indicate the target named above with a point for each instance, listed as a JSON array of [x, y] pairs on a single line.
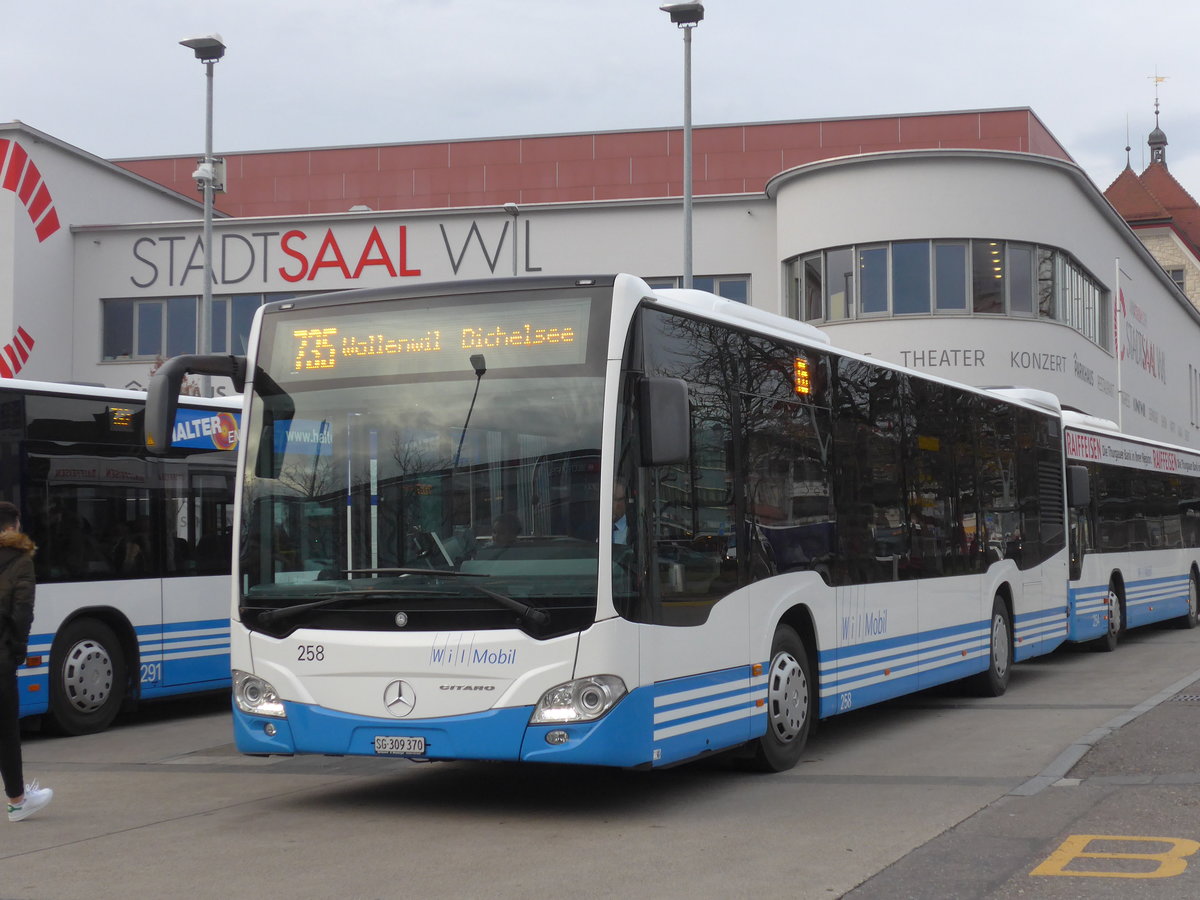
[[964, 244]]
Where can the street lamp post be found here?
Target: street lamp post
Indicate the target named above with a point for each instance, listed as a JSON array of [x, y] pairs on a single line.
[[686, 16], [208, 49]]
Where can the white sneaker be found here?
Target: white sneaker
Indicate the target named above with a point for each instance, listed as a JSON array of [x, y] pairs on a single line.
[[35, 798]]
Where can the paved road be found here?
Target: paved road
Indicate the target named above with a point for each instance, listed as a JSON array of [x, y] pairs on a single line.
[[162, 805]]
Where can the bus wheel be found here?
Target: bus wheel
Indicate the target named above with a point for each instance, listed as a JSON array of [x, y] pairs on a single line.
[[994, 681], [87, 678], [1188, 619], [790, 707], [1116, 621]]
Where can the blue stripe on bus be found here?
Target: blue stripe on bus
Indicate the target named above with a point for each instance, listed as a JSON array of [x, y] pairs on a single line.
[[708, 712], [844, 665], [1147, 600], [860, 674], [170, 627]]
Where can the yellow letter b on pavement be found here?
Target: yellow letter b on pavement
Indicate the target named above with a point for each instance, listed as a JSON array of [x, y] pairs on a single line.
[[1167, 863]]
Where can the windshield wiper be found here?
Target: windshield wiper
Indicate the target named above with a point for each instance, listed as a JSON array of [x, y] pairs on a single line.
[[284, 613], [524, 610], [449, 573]]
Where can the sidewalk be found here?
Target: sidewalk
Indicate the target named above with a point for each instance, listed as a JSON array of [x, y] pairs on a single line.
[[1114, 815]]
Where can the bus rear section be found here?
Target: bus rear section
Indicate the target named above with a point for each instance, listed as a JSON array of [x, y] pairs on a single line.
[[133, 549], [1136, 545]]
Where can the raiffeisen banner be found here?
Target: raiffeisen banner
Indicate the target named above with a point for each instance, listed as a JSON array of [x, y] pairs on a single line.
[[204, 429], [1120, 452]]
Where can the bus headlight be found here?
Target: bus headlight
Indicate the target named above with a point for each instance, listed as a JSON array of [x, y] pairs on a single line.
[[581, 700], [255, 696]]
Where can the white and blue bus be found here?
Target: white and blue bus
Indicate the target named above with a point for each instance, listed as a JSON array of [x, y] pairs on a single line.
[[1135, 548], [133, 548], [584, 521]]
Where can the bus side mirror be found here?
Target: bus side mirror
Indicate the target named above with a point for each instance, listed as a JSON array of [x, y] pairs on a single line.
[[162, 398], [665, 421], [1079, 489]]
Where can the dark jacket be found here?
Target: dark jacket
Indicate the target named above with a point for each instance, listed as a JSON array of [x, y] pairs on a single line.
[[17, 587]]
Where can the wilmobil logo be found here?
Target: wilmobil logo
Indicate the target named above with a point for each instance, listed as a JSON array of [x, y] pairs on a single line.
[[197, 428]]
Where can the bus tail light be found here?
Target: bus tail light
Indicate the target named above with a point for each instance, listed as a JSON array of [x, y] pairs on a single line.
[[255, 696], [582, 700]]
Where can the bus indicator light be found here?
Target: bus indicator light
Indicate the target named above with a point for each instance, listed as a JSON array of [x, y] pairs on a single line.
[[802, 380], [120, 418]]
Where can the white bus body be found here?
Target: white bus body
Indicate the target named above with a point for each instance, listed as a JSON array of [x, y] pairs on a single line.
[[832, 532], [133, 551]]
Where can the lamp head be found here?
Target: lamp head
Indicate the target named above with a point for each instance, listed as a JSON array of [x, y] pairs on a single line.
[[511, 208], [684, 14], [208, 47], [478, 364]]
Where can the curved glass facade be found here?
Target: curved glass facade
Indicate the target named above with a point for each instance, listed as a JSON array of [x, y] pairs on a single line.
[[950, 276]]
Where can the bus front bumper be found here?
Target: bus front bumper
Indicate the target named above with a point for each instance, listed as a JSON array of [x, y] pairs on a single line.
[[499, 734]]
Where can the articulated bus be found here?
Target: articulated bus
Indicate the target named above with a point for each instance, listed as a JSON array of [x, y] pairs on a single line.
[[133, 549], [1135, 548], [584, 521]]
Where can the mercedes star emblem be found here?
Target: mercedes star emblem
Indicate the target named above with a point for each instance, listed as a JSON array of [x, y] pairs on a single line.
[[399, 698]]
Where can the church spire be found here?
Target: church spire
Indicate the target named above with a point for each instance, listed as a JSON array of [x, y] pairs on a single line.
[[1158, 138]]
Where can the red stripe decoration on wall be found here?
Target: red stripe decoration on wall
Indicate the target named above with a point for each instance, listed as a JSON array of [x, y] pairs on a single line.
[[17, 352], [19, 174]]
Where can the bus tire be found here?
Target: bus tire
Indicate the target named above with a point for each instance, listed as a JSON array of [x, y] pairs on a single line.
[[1116, 621], [1188, 619], [87, 678], [994, 680], [790, 704]]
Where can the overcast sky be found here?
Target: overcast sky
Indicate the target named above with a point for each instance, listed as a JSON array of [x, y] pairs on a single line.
[[111, 79]]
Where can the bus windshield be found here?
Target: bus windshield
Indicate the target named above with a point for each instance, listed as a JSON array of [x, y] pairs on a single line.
[[431, 468]]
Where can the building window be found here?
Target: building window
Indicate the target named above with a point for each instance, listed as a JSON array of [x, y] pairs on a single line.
[[950, 265], [149, 328], [1179, 277], [805, 291], [873, 279], [839, 284], [987, 277], [166, 326], [963, 277], [731, 287], [1047, 307], [1020, 280], [910, 278], [181, 326]]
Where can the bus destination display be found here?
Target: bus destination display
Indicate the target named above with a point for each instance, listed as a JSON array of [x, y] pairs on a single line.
[[393, 340]]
